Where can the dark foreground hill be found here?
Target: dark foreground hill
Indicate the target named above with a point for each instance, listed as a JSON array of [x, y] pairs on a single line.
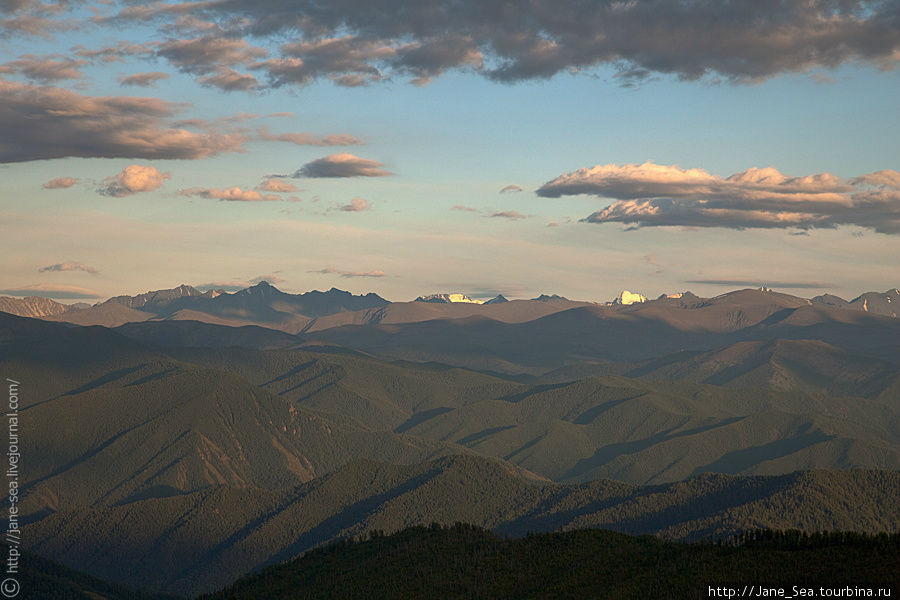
[[43, 579], [463, 561], [200, 542]]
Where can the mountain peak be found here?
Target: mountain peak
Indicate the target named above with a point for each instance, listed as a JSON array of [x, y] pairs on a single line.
[[156, 297], [546, 298], [447, 299], [498, 299], [626, 298]]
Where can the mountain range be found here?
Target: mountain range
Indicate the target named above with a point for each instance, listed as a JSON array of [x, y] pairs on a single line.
[[177, 454], [263, 304]]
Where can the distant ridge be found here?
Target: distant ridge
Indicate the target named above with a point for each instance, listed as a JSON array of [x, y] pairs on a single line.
[[32, 306], [447, 299], [261, 304]]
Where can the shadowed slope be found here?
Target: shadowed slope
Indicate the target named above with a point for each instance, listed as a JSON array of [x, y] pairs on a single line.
[[202, 541]]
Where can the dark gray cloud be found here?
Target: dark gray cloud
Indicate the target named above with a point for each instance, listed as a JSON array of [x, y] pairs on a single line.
[[48, 122], [69, 266], [143, 79], [349, 274], [661, 195], [756, 283], [348, 60], [342, 165], [32, 17], [357, 42], [510, 188], [509, 214], [10, 6], [208, 54], [229, 80]]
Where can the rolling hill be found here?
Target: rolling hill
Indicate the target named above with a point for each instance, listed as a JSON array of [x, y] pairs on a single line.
[[202, 541]]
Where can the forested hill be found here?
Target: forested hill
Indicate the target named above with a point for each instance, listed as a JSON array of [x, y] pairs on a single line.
[[464, 561]]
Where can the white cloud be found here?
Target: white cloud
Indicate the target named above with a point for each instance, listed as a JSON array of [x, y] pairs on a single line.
[[232, 194], [659, 195], [133, 179], [60, 183], [356, 205], [276, 185]]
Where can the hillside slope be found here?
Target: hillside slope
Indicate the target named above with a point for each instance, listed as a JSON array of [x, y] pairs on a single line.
[[202, 541]]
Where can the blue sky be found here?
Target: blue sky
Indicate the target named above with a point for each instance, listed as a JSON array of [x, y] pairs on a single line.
[[756, 146]]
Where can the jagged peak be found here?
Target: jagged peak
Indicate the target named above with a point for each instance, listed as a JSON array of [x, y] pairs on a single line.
[[448, 299], [552, 297]]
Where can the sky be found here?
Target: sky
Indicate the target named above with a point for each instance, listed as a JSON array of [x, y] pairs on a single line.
[[479, 147]]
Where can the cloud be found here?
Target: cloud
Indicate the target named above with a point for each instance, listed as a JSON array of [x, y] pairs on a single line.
[[69, 266], [797, 285], [276, 185], [347, 60], [115, 53], [509, 214], [342, 165], [232, 194], [659, 195], [510, 188], [886, 178], [356, 205], [44, 69], [464, 208], [58, 292], [133, 179], [224, 286], [143, 79], [29, 17], [236, 285], [349, 274], [60, 183], [356, 42], [48, 122], [229, 80], [308, 139], [207, 54]]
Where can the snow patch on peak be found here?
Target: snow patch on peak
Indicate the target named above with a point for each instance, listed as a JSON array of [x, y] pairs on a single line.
[[627, 297], [448, 299]]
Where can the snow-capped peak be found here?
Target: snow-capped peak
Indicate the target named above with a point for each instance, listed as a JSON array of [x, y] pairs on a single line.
[[448, 298], [627, 297]]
